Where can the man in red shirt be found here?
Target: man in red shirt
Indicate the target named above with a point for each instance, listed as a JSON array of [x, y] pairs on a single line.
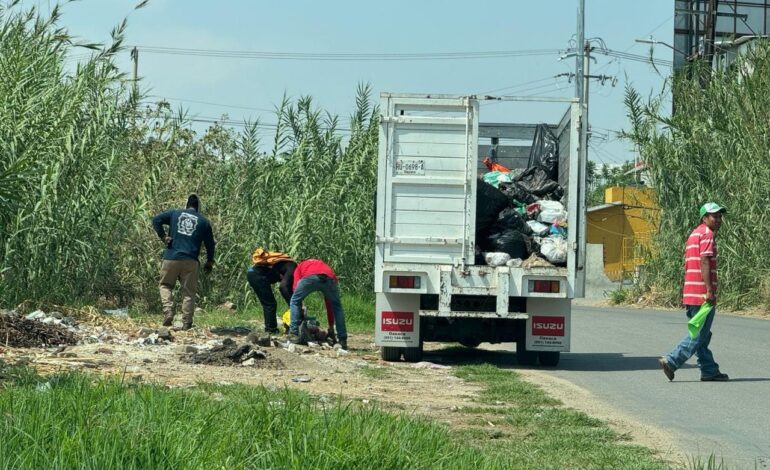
[[700, 285], [313, 275]]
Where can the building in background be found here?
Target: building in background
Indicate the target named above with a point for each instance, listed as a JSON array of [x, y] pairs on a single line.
[[702, 26], [623, 225]]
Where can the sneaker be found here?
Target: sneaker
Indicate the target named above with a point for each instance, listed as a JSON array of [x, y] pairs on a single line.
[[720, 377], [344, 344], [272, 331], [294, 339], [666, 368]]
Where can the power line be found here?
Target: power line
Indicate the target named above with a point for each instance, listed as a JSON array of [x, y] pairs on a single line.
[[323, 56], [537, 80], [222, 105]]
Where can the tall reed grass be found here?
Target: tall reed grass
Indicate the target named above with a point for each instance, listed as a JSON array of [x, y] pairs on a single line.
[[84, 168], [714, 147]]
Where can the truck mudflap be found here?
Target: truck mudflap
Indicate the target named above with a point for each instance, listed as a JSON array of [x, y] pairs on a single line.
[[397, 320], [548, 325]]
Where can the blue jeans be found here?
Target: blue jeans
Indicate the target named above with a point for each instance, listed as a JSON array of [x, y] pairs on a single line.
[[328, 287], [698, 346]]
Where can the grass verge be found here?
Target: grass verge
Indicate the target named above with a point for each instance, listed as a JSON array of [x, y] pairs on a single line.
[[534, 431]]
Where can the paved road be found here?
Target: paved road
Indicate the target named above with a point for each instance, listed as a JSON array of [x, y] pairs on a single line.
[[614, 356]]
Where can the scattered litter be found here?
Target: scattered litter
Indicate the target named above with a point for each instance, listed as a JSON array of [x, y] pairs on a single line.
[[429, 365], [117, 312], [22, 332], [342, 352], [229, 353], [230, 330], [301, 379], [43, 387], [514, 263]]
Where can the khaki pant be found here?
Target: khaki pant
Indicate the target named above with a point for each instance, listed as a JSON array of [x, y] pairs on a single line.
[[186, 272]]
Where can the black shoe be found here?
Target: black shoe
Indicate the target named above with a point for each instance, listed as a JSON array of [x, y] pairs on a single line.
[[331, 338], [344, 344], [272, 331], [720, 377], [666, 368]]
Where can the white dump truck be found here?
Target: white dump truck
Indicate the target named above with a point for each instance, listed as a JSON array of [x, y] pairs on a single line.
[[429, 283]]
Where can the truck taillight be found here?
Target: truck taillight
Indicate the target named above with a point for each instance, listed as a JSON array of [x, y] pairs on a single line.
[[404, 282], [545, 287]]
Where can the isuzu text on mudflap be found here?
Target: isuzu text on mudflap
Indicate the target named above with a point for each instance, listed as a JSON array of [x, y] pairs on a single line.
[[429, 282]]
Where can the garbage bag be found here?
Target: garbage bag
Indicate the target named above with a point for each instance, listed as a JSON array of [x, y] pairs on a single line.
[[536, 181], [698, 320], [497, 258], [495, 178], [513, 242], [517, 192], [511, 219], [552, 212], [544, 153], [554, 249], [489, 203], [538, 228]]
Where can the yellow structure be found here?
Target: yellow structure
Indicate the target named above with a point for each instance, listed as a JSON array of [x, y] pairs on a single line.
[[623, 225]]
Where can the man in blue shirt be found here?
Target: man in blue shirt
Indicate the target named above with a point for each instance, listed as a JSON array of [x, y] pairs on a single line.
[[187, 230]]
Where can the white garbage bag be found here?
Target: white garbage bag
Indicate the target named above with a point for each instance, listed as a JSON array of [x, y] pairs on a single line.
[[538, 228], [552, 212], [554, 248], [496, 258]]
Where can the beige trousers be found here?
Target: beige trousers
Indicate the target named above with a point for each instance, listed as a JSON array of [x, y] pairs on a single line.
[[186, 272]]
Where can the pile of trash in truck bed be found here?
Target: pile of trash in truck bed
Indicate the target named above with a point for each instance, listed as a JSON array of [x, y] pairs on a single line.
[[521, 220]]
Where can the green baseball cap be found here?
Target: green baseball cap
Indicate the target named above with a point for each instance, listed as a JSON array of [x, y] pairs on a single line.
[[711, 208]]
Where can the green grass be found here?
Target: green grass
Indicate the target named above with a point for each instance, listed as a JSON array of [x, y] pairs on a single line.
[[377, 373], [537, 432], [81, 422]]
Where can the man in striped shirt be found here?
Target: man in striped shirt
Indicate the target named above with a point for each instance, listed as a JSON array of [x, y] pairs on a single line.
[[700, 285]]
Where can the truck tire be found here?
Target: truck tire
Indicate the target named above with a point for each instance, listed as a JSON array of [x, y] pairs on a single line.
[[390, 354], [413, 354], [523, 356], [549, 358], [470, 344]]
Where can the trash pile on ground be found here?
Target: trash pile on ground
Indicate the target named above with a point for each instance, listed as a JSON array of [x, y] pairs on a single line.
[[228, 352], [37, 329], [520, 218]]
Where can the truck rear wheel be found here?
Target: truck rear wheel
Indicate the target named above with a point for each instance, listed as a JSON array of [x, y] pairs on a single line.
[[470, 343], [524, 356], [549, 358], [413, 354], [390, 354]]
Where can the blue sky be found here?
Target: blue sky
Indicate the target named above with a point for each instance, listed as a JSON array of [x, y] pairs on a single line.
[[393, 26]]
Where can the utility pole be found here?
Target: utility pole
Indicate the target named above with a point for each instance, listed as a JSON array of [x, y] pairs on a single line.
[[135, 60], [579, 42]]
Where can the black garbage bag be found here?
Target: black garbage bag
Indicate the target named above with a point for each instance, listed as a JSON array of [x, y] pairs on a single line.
[[517, 192], [489, 202], [513, 242], [536, 181], [510, 219], [544, 153]]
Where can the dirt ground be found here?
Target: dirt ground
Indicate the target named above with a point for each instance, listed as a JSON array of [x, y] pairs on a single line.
[[427, 389]]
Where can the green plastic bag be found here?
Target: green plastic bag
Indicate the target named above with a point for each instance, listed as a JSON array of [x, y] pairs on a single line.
[[696, 322]]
